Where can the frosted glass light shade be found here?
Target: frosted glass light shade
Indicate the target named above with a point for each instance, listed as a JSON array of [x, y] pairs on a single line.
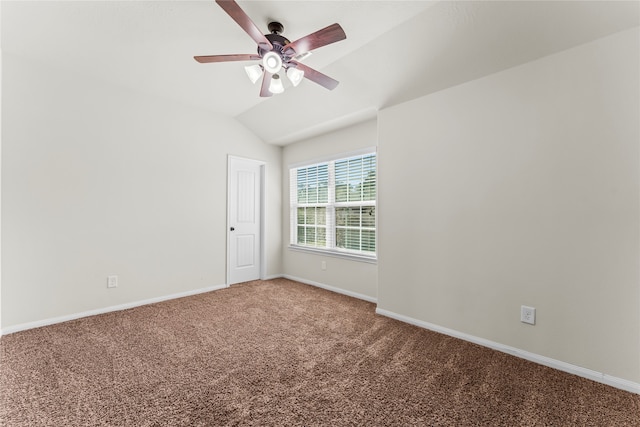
[[295, 75], [276, 84], [254, 72], [272, 62]]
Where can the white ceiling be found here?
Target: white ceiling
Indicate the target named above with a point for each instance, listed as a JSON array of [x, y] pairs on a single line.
[[394, 51]]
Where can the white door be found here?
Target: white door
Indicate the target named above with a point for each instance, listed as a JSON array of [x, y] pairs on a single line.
[[245, 184]]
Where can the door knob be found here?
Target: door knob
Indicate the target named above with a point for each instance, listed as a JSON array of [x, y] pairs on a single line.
[[233, 228]]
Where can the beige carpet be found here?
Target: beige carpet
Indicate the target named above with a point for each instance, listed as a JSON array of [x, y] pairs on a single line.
[[281, 353]]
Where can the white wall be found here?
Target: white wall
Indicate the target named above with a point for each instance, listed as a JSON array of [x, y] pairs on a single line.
[[0, 169], [350, 276], [98, 181], [521, 188]]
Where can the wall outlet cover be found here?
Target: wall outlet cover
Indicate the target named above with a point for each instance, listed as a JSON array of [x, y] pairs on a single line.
[[528, 315], [112, 281]]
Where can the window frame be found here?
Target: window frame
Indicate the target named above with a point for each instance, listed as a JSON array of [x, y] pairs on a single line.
[[330, 223]]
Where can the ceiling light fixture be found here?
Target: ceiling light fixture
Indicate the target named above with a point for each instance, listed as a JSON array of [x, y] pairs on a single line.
[[276, 52], [272, 62], [276, 84], [295, 75], [254, 72]]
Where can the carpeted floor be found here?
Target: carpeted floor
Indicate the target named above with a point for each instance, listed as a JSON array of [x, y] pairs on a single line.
[[281, 353]]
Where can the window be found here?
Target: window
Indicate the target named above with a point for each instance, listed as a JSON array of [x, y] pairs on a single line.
[[333, 206]]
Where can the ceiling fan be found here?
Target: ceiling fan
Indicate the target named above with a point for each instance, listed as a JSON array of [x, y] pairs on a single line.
[[277, 53]]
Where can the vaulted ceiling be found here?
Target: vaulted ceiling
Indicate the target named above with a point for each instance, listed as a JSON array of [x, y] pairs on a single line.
[[394, 51]]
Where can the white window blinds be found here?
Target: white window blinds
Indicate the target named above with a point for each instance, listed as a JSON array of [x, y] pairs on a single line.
[[333, 205]]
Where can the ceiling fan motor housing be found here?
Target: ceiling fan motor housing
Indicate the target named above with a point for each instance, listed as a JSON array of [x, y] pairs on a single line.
[[278, 42]]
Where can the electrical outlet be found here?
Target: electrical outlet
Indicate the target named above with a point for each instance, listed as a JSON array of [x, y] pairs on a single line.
[[323, 265], [112, 281], [528, 315]]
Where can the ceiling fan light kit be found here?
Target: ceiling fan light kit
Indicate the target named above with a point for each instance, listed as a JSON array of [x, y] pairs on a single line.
[[272, 62], [276, 52], [295, 76], [254, 72], [276, 86]]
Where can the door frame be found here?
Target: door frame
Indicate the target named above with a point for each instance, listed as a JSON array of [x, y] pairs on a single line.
[[263, 255]]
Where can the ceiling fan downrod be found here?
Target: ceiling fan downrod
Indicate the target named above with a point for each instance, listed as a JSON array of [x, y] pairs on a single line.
[[275, 27], [278, 42]]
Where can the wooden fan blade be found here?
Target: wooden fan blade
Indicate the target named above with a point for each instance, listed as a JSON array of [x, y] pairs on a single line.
[[264, 89], [225, 58], [237, 14], [331, 34], [316, 76]]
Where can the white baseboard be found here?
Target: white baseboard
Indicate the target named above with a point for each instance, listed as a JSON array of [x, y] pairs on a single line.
[[66, 318], [332, 288], [542, 360]]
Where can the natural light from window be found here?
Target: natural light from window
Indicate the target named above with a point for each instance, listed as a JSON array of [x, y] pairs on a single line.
[[333, 206]]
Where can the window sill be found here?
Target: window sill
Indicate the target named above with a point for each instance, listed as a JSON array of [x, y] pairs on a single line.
[[370, 259]]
